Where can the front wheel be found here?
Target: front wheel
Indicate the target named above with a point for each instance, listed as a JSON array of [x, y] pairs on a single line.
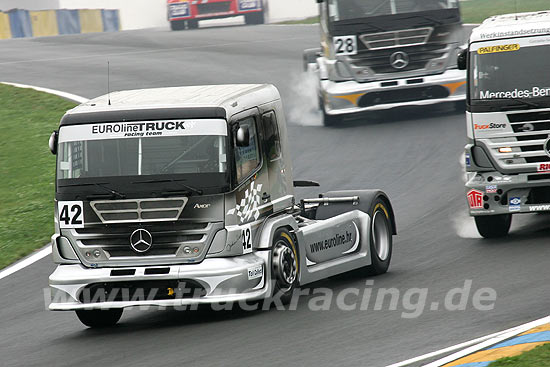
[[493, 226], [192, 24], [99, 318], [254, 18], [177, 25], [284, 265], [381, 238]]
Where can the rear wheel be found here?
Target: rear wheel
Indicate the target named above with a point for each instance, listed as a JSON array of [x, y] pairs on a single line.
[[493, 226], [284, 265], [177, 25], [193, 24], [99, 318], [254, 18], [381, 238]]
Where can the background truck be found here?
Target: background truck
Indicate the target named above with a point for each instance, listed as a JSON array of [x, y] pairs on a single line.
[[189, 12], [507, 157], [381, 54], [179, 196]]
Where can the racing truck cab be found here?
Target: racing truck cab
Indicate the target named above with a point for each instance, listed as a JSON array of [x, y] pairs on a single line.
[[507, 158], [182, 196], [381, 54]]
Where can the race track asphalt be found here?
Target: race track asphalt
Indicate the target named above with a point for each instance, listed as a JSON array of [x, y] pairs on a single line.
[[411, 154]]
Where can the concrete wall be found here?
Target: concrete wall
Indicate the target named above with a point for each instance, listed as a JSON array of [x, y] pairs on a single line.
[[136, 14]]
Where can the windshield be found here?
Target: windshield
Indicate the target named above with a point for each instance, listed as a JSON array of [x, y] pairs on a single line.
[[510, 69], [149, 148], [351, 9]]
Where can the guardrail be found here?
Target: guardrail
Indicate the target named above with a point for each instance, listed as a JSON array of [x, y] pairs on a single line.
[[17, 23]]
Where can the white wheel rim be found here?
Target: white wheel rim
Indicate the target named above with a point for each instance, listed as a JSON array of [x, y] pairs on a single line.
[[381, 235]]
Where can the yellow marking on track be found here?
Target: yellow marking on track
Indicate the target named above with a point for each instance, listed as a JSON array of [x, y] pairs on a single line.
[[494, 354], [353, 98], [538, 329], [452, 87], [380, 205]]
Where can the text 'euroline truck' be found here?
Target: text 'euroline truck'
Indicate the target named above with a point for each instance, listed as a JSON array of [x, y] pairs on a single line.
[[184, 196], [382, 54], [507, 158]]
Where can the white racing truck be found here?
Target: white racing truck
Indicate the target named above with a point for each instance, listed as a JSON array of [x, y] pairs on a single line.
[[507, 157], [382, 54], [182, 196]]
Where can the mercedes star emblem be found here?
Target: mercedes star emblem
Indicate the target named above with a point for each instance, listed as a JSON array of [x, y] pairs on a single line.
[[547, 146], [399, 60], [141, 240]]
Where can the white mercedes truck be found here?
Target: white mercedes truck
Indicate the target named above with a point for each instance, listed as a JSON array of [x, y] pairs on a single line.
[[382, 54], [183, 196], [507, 157]]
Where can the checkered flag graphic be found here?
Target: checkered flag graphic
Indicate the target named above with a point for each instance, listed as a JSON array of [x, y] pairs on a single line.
[[248, 207]]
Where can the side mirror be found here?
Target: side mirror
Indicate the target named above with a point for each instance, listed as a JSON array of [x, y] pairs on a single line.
[[53, 142], [462, 59], [320, 1], [243, 136]]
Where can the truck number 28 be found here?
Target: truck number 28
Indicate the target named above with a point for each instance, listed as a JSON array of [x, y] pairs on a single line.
[[345, 45], [246, 234], [71, 214]]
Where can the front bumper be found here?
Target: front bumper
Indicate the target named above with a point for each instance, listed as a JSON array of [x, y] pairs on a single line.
[[343, 98], [223, 280], [507, 194]]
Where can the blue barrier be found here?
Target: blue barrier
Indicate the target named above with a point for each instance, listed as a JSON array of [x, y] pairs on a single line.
[[68, 21], [20, 23], [110, 20]]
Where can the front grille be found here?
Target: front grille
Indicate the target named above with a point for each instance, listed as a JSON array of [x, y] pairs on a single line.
[[403, 95], [141, 291], [212, 8], [379, 60], [409, 37], [530, 130], [167, 237], [139, 210]]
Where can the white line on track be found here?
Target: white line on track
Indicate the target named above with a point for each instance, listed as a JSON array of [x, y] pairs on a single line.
[[472, 346], [26, 262], [70, 96], [21, 264]]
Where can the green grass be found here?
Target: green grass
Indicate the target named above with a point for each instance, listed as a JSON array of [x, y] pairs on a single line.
[[538, 357], [27, 170], [475, 11]]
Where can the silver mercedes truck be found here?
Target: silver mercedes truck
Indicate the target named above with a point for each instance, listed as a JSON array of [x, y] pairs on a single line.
[[183, 196], [382, 54], [507, 157]]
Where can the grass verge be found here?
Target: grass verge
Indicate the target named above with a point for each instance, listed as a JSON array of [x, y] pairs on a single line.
[[475, 11], [27, 170], [538, 357]]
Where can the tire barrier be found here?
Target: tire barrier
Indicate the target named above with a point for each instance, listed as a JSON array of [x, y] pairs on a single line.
[[18, 23]]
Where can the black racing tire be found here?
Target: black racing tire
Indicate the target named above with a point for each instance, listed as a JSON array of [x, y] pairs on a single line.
[[328, 120], [193, 24], [460, 106], [381, 238], [493, 226], [284, 265], [99, 318], [177, 25], [254, 18]]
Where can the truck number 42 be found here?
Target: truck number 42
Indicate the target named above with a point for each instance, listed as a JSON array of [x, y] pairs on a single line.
[[246, 235], [71, 214]]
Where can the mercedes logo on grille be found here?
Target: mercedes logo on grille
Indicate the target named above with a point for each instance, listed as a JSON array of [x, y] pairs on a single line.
[[547, 146], [141, 240], [399, 60]]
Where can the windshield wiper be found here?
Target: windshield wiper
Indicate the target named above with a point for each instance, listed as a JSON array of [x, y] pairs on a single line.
[[187, 187], [102, 185]]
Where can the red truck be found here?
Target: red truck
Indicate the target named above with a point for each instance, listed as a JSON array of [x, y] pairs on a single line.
[[189, 12]]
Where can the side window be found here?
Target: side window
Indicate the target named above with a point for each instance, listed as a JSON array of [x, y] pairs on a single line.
[[271, 136], [247, 158]]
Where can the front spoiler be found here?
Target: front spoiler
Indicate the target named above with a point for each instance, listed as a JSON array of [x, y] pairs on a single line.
[[347, 94], [509, 187], [224, 280]]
